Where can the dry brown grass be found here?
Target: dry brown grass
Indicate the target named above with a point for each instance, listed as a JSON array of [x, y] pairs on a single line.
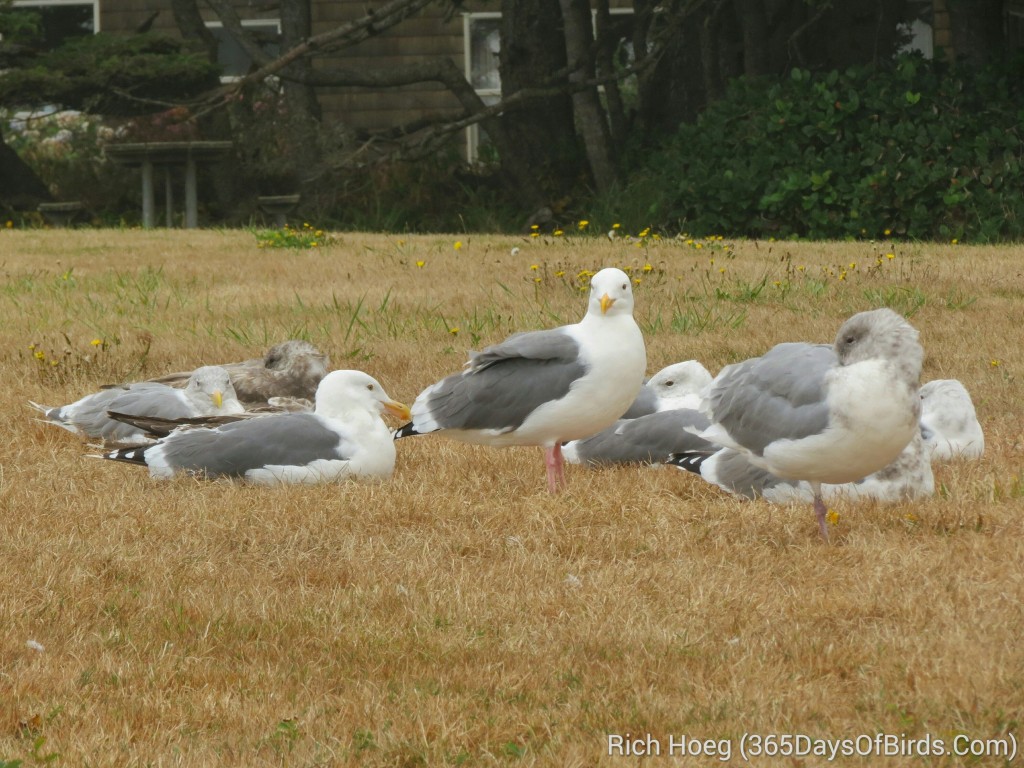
[[458, 615]]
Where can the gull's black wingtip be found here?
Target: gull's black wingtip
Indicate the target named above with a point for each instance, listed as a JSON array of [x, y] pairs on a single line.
[[406, 430], [688, 460]]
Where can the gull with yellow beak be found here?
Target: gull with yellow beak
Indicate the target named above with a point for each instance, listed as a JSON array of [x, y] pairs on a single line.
[[209, 392], [545, 387], [344, 437]]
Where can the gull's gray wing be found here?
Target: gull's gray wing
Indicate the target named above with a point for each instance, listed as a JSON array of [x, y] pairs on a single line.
[[646, 402], [648, 439], [506, 383], [90, 413], [778, 396], [289, 439]]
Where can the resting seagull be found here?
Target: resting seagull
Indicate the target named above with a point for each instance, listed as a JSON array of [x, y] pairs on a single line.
[[545, 387], [908, 477], [208, 393], [949, 422], [291, 369], [675, 386], [819, 414], [344, 437]]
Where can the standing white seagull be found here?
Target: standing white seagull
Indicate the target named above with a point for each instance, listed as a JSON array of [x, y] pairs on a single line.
[[545, 387], [343, 437], [807, 412]]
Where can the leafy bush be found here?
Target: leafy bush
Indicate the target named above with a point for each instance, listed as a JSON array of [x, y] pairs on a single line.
[[923, 149]]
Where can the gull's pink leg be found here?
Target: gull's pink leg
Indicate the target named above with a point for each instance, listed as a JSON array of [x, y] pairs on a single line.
[[820, 511], [555, 466]]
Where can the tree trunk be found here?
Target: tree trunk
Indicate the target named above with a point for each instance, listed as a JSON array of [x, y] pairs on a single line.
[[533, 47], [190, 24], [301, 102], [590, 118], [753, 21]]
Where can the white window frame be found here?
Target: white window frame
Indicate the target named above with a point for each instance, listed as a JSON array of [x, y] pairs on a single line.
[[245, 23], [473, 131], [50, 3]]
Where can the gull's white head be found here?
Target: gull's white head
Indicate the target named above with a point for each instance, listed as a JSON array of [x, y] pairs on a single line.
[[211, 390], [343, 392], [680, 380], [611, 293]]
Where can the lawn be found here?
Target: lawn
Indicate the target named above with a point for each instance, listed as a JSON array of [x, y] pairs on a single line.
[[458, 614]]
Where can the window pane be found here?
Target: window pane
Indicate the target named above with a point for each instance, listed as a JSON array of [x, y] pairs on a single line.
[[234, 61], [484, 47], [58, 23]]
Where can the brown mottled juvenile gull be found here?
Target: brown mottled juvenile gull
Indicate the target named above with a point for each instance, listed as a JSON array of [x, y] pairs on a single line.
[[823, 414], [291, 369], [545, 387], [208, 392], [949, 422], [344, 437]]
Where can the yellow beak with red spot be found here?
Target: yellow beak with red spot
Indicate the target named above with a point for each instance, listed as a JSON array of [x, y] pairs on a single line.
[[400, 410]]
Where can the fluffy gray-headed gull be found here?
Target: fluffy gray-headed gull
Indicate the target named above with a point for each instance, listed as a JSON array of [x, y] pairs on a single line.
[[291, 369], [823, 414], [908, 477], [949, 422], [344, 437], [208, 392], [545, 387]]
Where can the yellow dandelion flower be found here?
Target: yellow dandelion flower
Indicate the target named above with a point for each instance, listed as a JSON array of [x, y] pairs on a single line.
[[558, 233], [994, 362], [648, 268], [534, 267], [96, 342], [890, 256], [559, 273], [535, 234], [645, 232], [458, 245], [536, 279], [636, 281], [832, 516], [888, 232], [453, 331], [801, 268], [31, 346], [853, 265], [9, 224], [53, 363], [535, 227], [698, 245], [616, 225], [954, 241], [40, 355], [421, 263], [583, 224], [721, 270]]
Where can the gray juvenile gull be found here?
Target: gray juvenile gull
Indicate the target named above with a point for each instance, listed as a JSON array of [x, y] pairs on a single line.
[[545, 387], [949, 422], [908, 477], [344, 437], [291, 369], [823, 414], [208, 392]]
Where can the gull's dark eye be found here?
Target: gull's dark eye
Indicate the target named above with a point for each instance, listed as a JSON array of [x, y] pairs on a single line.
[[625, 286], [851, 339], [670, 383], [369, 387]]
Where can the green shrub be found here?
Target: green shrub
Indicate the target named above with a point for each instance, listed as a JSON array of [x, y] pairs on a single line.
[[922, 149]]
